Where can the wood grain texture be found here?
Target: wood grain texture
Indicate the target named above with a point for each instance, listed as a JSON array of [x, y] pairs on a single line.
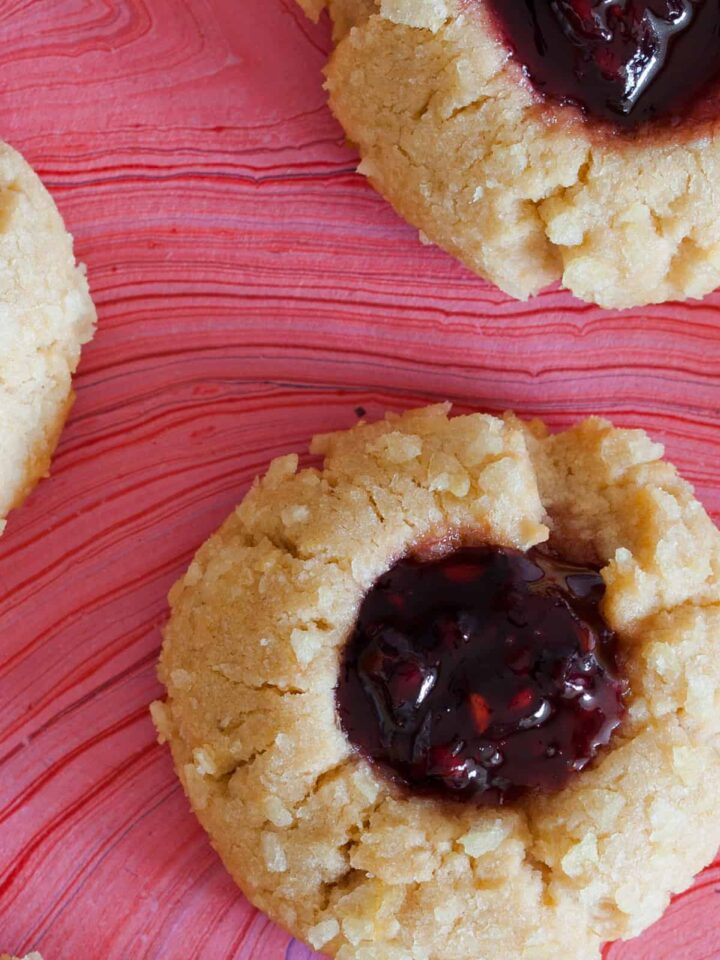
[[252, 290]]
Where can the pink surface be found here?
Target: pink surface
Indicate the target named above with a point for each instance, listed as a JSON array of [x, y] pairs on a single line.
[[252, 290]]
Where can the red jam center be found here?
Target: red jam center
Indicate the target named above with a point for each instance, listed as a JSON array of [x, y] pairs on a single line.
[[627, 61], [483, 674]]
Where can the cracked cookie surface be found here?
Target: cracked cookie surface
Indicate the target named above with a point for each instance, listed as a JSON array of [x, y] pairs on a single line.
[[46, 314], [324, 842], [523, 192]]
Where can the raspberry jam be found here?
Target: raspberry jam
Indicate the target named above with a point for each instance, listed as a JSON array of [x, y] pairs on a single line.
[[627, 61], [483, 674]]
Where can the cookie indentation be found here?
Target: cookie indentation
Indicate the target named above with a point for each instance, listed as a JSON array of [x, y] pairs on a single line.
[[483, 674], [627, 61]]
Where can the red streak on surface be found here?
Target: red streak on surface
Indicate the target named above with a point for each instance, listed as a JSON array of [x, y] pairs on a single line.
[[253, 290]]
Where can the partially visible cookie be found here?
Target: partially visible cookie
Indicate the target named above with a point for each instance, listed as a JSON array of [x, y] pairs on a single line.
[[332, 837], [525, 191], [46, 314]]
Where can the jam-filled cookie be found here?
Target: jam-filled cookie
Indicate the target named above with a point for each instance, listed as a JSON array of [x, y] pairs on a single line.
[[576, 140], [46, 314], [454, 695]]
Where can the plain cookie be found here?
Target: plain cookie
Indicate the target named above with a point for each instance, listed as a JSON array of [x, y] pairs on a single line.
[[324, 842], [524, 193], [46, 314]]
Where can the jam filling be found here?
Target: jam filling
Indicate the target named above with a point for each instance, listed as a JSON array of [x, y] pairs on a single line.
[[627, 61], [482, 675]]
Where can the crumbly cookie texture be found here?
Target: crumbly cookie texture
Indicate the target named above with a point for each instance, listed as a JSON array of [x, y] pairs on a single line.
[[46, 314], [453, 136], [30, 956], [320, 840]]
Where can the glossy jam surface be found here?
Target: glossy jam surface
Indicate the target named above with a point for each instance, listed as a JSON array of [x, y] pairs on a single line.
[[626, 61], [482, 675]]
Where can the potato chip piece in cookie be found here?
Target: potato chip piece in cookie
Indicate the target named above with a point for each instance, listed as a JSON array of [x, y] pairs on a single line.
[[455, 694], [46, 314], [493, 151]]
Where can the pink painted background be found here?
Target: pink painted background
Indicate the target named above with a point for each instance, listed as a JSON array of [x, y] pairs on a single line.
[[252, 290]]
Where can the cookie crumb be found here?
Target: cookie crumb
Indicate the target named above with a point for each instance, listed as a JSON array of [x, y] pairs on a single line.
[[322, 933]]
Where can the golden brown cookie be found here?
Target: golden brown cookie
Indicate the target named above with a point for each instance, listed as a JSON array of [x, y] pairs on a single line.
[[30, 956], [525, 190], [46, 314], [326, 841]]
